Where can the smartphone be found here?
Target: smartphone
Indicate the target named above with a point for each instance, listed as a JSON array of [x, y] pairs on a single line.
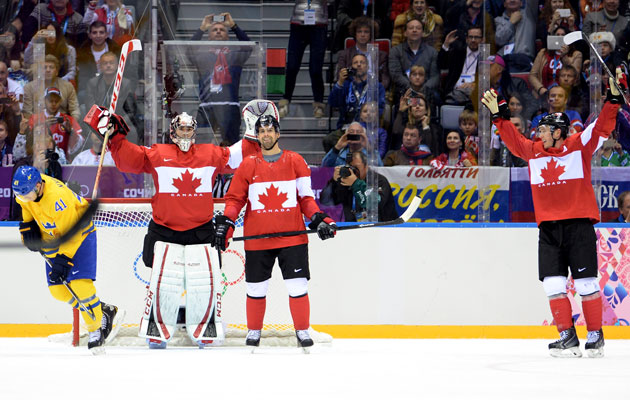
[[6, 100], [564, 12], [554, 42], [354, 137], [218, 18]]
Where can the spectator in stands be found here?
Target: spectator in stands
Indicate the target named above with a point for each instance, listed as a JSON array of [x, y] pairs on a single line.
[[412, 151], [465, 14], [99, 91], [6, 146], [14, 90], [557, 100], [455, 155], [348, 187], [468, 127], [613, 155], [415, 109], [69, 103], [352, 90], [605, 43], [548, 62], [432, 24], [92, 155], [352, 141], [90, 53], [461, 63], [61, 12], [607, 19], [500, 155], [623, 203], [10, 47], [220, 77], [568, 80], [515, 34], [57, 46], [550, 19], [117, 17], [9, 113], [361, 30], [348, 10], [306, 31], [413, 52]]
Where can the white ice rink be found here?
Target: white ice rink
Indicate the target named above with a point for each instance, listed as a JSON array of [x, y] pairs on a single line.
[[505, 369]]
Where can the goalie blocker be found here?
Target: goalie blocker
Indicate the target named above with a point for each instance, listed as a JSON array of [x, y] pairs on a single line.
[[195, 269]]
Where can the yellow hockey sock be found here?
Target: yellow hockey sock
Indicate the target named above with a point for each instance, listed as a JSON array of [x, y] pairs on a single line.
[[85, 290]]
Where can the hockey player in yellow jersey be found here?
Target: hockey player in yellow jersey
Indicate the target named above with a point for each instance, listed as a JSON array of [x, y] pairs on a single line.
[[49, 209]]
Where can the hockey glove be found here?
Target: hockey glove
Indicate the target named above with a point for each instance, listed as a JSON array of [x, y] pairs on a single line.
[[31, 235], [60, 265], [326, 227], [496, 105], [613, 95], [223, 231], [101, 120]]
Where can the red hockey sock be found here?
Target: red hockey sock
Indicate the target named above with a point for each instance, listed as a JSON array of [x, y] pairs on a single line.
[[300, 311], [255, 312], [561, 311], [593, 313]]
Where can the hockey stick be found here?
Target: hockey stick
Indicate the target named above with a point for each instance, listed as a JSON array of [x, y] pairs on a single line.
[[128, 47], [575, 36], [413, 206], [81, 304], [83, 221]]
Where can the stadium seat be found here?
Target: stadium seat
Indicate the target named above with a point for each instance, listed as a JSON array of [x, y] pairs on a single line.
[[449, 116]]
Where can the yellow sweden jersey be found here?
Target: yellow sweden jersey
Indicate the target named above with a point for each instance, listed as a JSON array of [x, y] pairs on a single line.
[[56, 212]]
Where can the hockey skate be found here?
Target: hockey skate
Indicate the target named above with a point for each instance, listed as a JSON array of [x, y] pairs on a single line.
[[595, 344], [96, 342], [253, 338], [568, 346], [304, 339], [111, 322], [155, 344]]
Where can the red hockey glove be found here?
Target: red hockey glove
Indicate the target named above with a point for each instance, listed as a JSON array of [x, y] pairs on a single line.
[[223, 231], [101, 120], [326, 227]]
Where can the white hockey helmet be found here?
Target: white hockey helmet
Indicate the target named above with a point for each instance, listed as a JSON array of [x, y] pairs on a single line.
[[183, 120], [254, 110]]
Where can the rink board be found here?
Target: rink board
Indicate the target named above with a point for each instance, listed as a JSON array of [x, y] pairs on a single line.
[[416, 281]]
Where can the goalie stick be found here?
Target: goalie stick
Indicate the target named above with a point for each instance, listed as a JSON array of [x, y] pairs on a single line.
[[128, 47], [413, 206]]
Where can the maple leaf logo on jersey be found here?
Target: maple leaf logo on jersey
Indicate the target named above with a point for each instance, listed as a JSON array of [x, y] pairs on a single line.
[[273, 198], [186, 183], [552, 172]]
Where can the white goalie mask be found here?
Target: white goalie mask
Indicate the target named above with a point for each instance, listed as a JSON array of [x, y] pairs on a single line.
[[182, 139], [254, 110]]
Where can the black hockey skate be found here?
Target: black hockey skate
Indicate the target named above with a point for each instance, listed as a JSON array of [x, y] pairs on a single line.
[[253, 338], [111, 322], [568, 346], [96, 342], [303, 338], [595, 344]]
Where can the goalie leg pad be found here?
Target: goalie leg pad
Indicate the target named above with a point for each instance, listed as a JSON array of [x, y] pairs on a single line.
[[159, 319], [203, 295]]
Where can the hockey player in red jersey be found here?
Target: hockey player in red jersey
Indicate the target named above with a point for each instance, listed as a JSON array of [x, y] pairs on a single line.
[[276, 186], [566, 209]]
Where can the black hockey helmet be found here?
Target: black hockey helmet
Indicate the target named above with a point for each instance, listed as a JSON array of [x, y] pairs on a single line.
[[267, 120], [558, 120]]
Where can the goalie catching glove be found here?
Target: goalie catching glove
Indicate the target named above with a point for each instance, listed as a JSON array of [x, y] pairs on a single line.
[[101, 120], [31, 235], [496, 105], [326, 227], [60, 266], [223, 231]]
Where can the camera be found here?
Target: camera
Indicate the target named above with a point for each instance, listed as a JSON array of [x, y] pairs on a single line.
[[347, 170], [218, 18], [5, 100], [413, 101], [51, 155], [351, 73], [564, 12], [353, 137]]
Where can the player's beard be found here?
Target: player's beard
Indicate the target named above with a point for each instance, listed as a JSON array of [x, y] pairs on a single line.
[[269, 144]]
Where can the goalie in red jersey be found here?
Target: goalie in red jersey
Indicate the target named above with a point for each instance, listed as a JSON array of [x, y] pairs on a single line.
[[566, 209], [276, 186]]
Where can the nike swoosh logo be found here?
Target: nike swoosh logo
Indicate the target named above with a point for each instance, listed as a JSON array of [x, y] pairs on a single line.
[[297, 270], [167, 159], [75, 272], [581, 269], [537, 154]]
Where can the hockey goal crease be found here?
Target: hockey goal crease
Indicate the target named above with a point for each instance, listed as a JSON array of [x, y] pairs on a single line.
[[122, 280]]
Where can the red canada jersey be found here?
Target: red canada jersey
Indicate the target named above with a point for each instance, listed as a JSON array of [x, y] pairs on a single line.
[[561, 178], [68, 143], [277, 194], [183, 180]]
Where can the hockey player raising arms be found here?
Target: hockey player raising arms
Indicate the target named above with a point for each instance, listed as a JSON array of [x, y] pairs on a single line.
[[566, 209], [276, 185], [49, 209]]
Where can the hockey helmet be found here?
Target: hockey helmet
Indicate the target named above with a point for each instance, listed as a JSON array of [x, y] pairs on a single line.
[[25, 180], [183, 120], [267, 120], [254, 110], [558, 120]]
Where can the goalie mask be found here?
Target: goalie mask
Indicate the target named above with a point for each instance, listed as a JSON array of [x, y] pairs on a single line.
[[183, 131]]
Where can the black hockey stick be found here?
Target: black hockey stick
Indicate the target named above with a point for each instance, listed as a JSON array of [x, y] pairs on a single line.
[[413, 206]]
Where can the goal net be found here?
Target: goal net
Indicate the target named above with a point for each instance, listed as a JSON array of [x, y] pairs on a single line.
[[123, 279]]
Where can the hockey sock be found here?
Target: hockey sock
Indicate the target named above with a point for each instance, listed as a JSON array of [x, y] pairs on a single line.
[[85, 290], [561, 311], [255, 312], [300, 311], [593, 313]]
